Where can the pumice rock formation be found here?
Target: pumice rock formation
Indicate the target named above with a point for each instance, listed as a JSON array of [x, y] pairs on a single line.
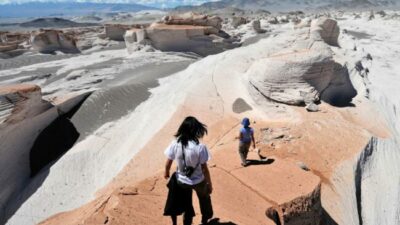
[[193, 19], [12, 41], [49, 41], [325, 29], [305, 73], [116, 32], [93, 163], [23, 116], [195, 33]]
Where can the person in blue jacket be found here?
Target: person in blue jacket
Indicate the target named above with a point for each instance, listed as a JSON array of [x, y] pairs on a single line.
[[246, 139]]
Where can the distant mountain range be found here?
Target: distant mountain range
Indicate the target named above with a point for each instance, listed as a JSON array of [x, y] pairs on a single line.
[[43, 9], [290, 4]]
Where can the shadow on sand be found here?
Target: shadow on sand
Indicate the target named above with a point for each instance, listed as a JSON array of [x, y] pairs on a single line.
[[253, 162], [216, 221]]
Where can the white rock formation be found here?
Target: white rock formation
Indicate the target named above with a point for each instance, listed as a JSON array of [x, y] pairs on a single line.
[[306, 73], [202, 40], [48, 41], [376, 180], [194, 19], [7, 48], [293, 78], [326, 30], [23, 114], [237, 21], [256, 24], [116, 32]]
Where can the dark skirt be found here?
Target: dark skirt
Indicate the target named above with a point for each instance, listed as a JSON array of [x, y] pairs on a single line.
[[179, 199]]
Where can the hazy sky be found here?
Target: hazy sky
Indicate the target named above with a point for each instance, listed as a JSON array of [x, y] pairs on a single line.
[[144, 2]]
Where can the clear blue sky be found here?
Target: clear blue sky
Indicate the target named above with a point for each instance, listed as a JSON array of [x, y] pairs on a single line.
[[163, 3]]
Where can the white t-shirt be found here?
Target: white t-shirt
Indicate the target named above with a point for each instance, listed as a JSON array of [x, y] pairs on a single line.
[[195, 155]]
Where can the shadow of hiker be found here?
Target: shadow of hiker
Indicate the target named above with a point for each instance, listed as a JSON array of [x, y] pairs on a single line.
[[216, 221], [253, 162]]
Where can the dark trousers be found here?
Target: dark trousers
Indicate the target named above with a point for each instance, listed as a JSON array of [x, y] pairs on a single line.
[[203, 193]]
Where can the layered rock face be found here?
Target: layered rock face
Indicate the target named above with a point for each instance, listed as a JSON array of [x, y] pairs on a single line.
[[116, 32], [23, 117], [325, 30], [306, 73], [8, 47], [48, 41], [194, 19], [198, 34], [11, 41], [23, 114]]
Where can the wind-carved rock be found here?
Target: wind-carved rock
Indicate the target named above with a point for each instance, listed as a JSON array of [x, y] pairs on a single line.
[[238, 21], [49, 41], [12, 41], [307, 73], [326, 30], [116, 32], [182, 34], [193, 19], [256, 24], [293, 78]]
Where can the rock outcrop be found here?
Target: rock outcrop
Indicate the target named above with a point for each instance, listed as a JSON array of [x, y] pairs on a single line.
[[293, 78], [307, 73], [256, 24], [237, 21], [193, 19], [326, 30], [116, 32], [12, 41], [23, 116], [49, 41], [181, 35], [8, 47]]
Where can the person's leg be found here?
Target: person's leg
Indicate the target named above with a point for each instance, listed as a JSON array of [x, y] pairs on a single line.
[[246, 150], [187, 219], [174, 220], [242, 154], [205, 201], [188, 205]]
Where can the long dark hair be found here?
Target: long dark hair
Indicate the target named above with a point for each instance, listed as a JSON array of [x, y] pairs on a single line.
[[190, 130]]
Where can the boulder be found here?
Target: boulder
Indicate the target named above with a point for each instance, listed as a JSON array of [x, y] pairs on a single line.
[[293, 78], [237, 21], [324, 29], [381, 13], [49, 41], [257, 27], [312, 107], [306, 73], [273, 20], [194, 19], [116, 32], [136, 40]]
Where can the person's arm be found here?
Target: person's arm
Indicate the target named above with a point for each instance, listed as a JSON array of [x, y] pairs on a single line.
[[167, 168], [240, 136], [207, 176], [253, 140]]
